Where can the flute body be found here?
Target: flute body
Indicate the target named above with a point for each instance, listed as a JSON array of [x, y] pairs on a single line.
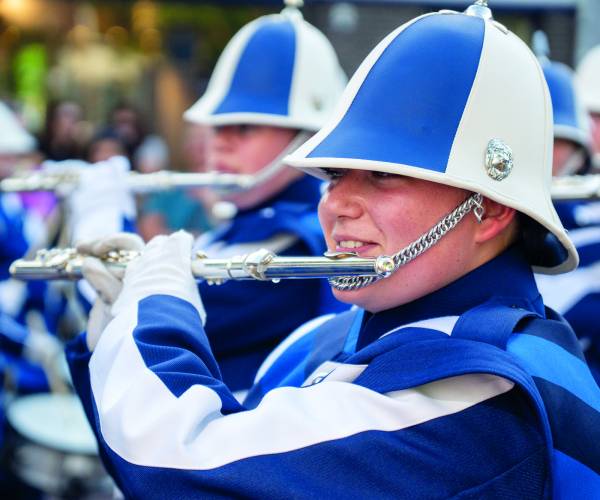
[[139, 183], [263, 265], [576, 187]]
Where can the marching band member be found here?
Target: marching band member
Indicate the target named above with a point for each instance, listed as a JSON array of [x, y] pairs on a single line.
[[275, 83], [15, 143], [588, 84], [572, 136], [449, 378], [575, 295], [22, 351]]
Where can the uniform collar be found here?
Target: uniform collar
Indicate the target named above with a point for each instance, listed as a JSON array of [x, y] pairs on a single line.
[[507, 277]]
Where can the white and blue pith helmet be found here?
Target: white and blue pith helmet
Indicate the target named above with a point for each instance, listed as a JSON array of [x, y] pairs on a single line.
[[277, 70], [457, 99], [571, 121], [588, 80], [14, 139]]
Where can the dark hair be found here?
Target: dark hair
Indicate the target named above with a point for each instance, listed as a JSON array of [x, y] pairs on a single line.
[[105, 134], [540, 246]]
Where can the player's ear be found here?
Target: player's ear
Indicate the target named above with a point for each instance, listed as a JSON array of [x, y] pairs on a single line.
[[496, 219]]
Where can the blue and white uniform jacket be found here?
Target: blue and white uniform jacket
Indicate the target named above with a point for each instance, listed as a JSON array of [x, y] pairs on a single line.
[[14, 295], [473, 391], [576, 295], [247, 319], [13, 243]]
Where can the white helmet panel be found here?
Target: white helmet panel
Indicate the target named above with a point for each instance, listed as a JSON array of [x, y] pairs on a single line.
[[588, 80], [14, 139]]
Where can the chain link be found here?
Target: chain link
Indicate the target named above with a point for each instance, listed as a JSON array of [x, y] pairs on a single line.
[[417, 247]]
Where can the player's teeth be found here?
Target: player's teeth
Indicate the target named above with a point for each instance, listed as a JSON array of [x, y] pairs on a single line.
[[351, 244]]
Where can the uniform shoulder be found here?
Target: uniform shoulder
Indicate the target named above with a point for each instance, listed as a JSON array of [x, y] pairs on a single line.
[[299, 343]]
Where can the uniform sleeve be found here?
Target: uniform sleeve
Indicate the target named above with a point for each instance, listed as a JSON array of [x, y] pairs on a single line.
[[170, 428], [12, 335], [14, 244]]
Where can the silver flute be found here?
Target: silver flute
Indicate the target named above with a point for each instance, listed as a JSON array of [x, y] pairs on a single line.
[[576, 187], [62, 183], [262, 265], [156, 181], [344, 270]]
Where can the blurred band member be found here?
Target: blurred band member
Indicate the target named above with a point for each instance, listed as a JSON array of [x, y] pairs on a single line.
[[576, 295], [588, 84], [276, 82]]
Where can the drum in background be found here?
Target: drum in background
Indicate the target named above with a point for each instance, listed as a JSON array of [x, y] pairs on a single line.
[[50, 447]]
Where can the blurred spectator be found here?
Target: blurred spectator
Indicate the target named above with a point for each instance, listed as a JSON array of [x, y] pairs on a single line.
[[104, 145], [65, 133], [128, 124]]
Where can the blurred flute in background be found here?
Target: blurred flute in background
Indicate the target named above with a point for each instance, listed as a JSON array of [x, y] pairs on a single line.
[[64, 182], [575, 187]]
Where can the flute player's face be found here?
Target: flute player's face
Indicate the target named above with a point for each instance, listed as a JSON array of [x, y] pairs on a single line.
[[247, 149], [373, 213]]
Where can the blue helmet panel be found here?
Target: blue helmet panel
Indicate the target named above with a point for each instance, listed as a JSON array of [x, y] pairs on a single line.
[[263, 77], [562, 91], [409, 107]]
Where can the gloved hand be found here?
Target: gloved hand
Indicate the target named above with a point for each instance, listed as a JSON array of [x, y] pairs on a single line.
[[163, 268], [43, 349], [101, 199], [106, 283]]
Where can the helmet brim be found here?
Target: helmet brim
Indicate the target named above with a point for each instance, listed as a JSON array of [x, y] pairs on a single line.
[[555, 260]]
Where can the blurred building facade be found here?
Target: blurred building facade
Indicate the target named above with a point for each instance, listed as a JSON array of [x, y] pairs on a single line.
[[158, 55], [155, 56]]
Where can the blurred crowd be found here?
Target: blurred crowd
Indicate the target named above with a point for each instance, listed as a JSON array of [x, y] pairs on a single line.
[[37, 317], [67, 135]]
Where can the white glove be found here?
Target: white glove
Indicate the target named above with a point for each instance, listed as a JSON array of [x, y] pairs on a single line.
[[101, 199], [164, 268], [106, 283], [42, 348]]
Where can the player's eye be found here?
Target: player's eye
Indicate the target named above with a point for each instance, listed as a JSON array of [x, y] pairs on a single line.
[[334, 173]]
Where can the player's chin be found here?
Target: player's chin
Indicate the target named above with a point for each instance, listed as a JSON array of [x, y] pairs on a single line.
[[358, 297]]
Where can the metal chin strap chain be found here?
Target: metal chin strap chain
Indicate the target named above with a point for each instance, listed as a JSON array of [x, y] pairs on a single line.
[[390, 264]]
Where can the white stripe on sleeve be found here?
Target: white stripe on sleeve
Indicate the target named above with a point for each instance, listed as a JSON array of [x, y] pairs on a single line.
[[145, 424]]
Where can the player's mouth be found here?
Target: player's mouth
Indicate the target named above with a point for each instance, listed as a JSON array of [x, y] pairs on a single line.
[[360, 247]]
